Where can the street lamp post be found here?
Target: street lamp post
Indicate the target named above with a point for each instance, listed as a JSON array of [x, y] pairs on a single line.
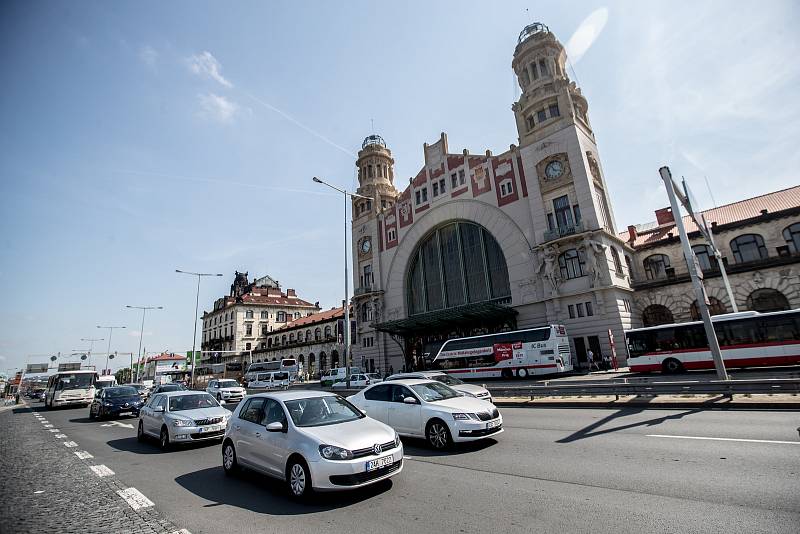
[[141, 333], [110, 331], [91, 345], [196, 309], [348, 357]]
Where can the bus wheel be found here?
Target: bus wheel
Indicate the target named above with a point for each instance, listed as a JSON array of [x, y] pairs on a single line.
[[671, 366], [522, 373], [507, 373]]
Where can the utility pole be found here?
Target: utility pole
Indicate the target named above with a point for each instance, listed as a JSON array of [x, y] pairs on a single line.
[[696, 275], [196, 310]]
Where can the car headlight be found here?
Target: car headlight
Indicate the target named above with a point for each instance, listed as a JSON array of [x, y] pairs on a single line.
[[468, 394], [182, 422], [107, 404], [464, 416], [332, 452], [396, 439]]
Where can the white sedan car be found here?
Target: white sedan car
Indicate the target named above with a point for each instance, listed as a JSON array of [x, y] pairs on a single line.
[[226, 390], [429, 409], [470, 390], [359, 380], [310, 439]]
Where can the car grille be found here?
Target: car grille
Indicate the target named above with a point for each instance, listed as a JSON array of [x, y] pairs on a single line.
[[362, 453], [206, 435], [209, 421], [486, 416], [360, 478], [479, 433]]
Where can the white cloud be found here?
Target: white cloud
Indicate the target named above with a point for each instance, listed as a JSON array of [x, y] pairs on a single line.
[[216, 107], [586, 34], [148, 55], [205, 64]]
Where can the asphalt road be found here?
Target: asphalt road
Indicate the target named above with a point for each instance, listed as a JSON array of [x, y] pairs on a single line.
[[552, 470]]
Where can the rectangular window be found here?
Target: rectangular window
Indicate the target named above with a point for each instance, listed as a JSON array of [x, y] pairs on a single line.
[[436, 189], [571, 309], [554, 112], [461, 177], [416, 195], [248, 329], [441, 186], [541, 116], [369, 205], [454, 180], [424, 194], [550, 224], [383, 204], [627, 304], [543, 66], [369, 171], [579, 308], [562, 212], [367, 275], [534, 71], [530, 122], [589, 309]]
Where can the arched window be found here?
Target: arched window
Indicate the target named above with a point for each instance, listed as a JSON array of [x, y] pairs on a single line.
[[328, 332], [301, 359], [705, 257], [308, 335], [767, 300], [323, 361], [571, 264], [629, 262], [334, 359], [457, 263], [748, 247], [617, 262], [792, 236], [280, 317], [269, 342], [715, 307], [655, 266], [283, 339], [248, 314], [264, 315], [317, 334], [291, 337], [656, 314]]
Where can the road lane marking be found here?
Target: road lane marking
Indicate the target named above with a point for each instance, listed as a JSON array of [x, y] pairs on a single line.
[[53, 430], [61, 436], [70, 444], [48, 426], [725, 439], [101, 470], [83, 455], [117, 423], [135, 499], [181, 531]]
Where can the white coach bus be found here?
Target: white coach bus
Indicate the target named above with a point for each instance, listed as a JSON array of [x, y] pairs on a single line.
[[67, 388]]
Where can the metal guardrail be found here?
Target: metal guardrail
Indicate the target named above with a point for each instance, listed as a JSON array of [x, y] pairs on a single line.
[[711, 387]]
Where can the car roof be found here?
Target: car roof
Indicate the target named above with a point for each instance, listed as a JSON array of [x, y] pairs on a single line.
[[179, 393], [416, 374], [411, 381], [294, 395]]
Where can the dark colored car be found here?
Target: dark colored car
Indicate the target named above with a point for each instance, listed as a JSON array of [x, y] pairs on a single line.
[[166, 388], [115, 401]]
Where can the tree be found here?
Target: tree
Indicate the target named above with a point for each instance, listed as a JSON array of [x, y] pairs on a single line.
[[123, 376]]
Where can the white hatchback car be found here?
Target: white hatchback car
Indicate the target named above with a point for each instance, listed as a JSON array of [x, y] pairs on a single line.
[[470, 390], [312, 440], [429, 409]]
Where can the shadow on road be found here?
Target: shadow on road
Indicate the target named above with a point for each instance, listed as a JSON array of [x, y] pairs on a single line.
[[265, 495], [150, 446], [589, 431], [420, 447]]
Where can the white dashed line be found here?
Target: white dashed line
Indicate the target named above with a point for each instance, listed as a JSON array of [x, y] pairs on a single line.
[[101, 470], [83, 455], [48, 426], [61, 436], [181, 531], [53, 430], [37, 492], [44, 421], [70, 444], [134, 498], [724, 439]]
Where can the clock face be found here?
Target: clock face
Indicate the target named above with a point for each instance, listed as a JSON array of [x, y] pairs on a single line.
[[554, 170], [366, 246]]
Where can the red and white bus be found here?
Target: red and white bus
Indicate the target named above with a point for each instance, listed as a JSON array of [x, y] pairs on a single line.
[[535, 351], [747, 339]]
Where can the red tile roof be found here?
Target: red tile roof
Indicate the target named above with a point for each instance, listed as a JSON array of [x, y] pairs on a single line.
[[249, 298], [165, 356], [321, 317], [649, 234]]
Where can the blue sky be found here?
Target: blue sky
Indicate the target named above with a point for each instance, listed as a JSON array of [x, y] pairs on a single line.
[[141, 137]]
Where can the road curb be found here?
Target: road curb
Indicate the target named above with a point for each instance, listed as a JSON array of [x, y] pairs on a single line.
[[711, 404]]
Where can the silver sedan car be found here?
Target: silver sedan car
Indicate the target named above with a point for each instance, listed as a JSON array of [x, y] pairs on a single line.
[[310, 439], [182, 417]]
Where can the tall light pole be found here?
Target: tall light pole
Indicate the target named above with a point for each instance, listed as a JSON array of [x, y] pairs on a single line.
[[348, 358], [141, 333], [196, 309], [91, 345], [110, 332]]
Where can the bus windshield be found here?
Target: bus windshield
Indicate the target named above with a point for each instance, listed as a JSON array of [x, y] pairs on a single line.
[[75, 381]]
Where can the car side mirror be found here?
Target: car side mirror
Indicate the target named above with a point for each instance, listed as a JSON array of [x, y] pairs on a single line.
[[362, 411], [159, 409], [276, 426], [410, 400]]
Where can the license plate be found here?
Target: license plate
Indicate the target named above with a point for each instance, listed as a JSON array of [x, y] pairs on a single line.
[[492, 424], [124, 413], [372, 465]]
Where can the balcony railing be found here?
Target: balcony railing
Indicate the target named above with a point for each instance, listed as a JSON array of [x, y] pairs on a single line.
[[364, 290], [563, 231]]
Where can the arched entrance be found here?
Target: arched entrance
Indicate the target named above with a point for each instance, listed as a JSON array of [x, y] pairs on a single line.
[[334, 359], [767, 300], [715, 307], [323, 362], [656, 314], [311, 365]]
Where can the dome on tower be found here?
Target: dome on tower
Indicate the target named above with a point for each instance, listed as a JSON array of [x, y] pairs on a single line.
[[531, 30], [373, 139]]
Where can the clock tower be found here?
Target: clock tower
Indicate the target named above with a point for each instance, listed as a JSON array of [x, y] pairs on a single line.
[[375, 181]]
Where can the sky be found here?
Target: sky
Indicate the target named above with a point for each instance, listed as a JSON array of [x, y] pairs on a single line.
[[142, 137]]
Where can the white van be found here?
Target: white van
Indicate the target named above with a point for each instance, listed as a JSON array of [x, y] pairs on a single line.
[[270, 380], [337, 374], [105, 381]]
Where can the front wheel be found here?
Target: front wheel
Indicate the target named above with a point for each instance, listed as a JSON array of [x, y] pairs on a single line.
[[140, 432], [506, 373], [672, 366], [91, 413], [163, 440], [522, 373], [298, 479], [438, 435], [229, 463]]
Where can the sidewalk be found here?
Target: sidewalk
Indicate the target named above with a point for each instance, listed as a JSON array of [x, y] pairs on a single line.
[[47, 488]]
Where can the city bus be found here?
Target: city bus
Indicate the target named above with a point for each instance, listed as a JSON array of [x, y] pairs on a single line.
[[521, 353], [67, 388], [746, 339], [288, 365]]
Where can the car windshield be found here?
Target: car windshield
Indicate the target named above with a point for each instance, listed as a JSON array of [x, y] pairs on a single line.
[[191, 402], [228, 384], [447, 379], [319, 411], [75, 381], [121, 392], [434, 391]]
